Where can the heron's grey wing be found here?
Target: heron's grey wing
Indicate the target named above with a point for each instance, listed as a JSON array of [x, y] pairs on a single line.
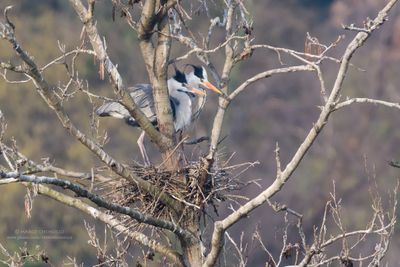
[[142, 94], [113, 109], [116, 110]]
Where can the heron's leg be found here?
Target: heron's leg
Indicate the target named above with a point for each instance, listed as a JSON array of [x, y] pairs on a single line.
[[182, 150], [142, 148]]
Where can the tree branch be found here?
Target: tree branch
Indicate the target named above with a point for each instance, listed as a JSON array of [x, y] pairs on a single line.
[[99, 201], [228, 65], [366, 101], [106, 64], [160, 92], [48, 94], [34, 167], [221, 226], [112, 221], [8, 181], [267, 74]]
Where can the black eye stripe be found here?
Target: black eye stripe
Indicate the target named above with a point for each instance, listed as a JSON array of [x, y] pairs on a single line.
[[198, 71]]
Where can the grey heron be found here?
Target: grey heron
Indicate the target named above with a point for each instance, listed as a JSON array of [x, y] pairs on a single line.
[[180, 96], [198, 78]]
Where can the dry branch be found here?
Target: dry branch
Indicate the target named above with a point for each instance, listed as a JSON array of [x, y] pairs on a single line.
[[366, 101], [101, 54], [221, 226], [113, 222], [204, 183], [52, 100], [81, 192]]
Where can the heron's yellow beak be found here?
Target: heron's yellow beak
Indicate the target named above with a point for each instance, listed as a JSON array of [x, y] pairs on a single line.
[[197, 91], [211, 86]]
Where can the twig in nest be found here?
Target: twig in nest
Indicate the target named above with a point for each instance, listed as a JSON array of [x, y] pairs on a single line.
[[173, 151], [196, 140]]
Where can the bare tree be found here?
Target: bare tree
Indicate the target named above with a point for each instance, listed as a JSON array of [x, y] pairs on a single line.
[[173, 198]]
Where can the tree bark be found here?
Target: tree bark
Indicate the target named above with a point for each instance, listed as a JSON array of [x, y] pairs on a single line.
[[170, 153], [193, 251]]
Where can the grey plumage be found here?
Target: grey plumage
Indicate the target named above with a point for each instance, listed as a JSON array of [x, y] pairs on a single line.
[[181, 99], [142, 95], [180, 96]]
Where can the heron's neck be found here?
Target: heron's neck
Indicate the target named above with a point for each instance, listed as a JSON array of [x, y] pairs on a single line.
[[183, 110]]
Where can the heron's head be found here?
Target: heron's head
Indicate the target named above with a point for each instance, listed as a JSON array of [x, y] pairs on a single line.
[[179, 82], [198, 78]]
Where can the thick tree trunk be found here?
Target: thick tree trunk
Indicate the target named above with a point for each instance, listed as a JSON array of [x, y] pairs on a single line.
[[161, 97], [193, 251]]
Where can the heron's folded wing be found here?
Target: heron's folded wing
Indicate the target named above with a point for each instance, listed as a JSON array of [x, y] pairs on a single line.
[[142, 94], [113, 109]]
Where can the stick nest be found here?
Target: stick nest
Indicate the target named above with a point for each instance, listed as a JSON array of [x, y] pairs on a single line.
[[193, 186]]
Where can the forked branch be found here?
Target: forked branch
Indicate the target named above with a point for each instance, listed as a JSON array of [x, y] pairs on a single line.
[[99, 201], [174, 256], [115, 77], [221, 226], [47, 92]]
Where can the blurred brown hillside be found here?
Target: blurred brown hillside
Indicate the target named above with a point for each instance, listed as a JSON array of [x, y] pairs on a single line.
[[354, 147]]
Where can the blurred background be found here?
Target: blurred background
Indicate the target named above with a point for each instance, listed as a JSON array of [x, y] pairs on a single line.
[[356, 144]]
